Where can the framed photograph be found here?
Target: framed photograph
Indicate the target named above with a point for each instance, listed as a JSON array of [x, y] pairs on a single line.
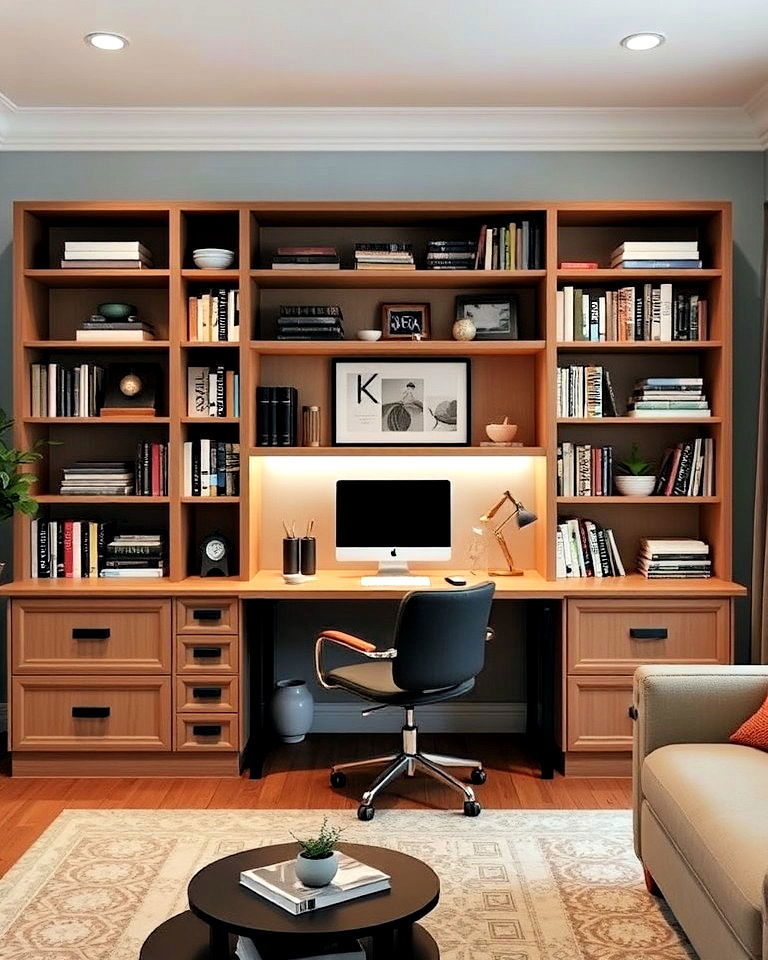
[[401, 403], [494, 316], [404, 321]]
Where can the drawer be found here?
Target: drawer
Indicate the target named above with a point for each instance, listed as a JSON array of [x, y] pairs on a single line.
[[598, 717], [616, 636], [207, 732], [207, 655], [208, 615], [91, 713], [91, 636], [206, 694]]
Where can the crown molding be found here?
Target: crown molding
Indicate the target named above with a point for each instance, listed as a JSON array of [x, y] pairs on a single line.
[[385, 128]]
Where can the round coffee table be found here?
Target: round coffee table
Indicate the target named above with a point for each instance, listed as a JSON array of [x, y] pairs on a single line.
[[221, 908]]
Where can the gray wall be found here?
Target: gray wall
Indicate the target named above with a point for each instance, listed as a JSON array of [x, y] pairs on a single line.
[[739, 177]]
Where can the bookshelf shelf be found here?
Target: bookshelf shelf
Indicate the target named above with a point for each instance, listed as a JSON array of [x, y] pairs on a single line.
[[635, 421], [397, 452], [637, 346], [53, 498], [622, 276], [358, 279], [206, 344], [212, 501], [212, 276], [102, 421], [210, 420], [638, 501], [94, 346], [448, 348], [99, 278]]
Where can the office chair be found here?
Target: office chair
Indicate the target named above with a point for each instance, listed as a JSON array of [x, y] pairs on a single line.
[[438, 650]]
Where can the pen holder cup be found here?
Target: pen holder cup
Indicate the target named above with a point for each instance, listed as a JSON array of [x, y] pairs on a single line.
[[308, 556], [291, 554]]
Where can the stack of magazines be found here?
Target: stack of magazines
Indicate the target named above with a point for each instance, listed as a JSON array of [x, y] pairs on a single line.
[[337, 950]]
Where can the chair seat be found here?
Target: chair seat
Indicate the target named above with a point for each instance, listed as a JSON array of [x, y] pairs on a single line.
[[373, 681]]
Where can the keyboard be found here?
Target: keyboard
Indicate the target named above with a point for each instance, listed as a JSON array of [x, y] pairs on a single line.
[[395, 581]]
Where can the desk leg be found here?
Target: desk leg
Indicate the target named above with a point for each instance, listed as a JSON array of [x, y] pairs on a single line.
[[543, 682], [218, 944], [259, 636]]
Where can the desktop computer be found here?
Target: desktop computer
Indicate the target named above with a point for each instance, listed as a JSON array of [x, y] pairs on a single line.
[[393, 521]]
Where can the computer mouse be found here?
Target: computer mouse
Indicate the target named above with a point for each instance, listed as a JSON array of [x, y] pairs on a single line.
[[456, 581]]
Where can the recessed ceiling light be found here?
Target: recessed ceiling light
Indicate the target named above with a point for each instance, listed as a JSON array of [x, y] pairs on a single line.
[[643, 41], [106, 41]]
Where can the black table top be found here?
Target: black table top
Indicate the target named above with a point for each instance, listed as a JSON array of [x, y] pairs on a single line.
[[217, 896]]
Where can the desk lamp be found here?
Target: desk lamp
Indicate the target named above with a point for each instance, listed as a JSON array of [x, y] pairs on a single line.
[[524, 518]]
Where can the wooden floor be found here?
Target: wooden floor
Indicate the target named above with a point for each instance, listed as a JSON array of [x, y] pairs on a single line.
[[297, 777]]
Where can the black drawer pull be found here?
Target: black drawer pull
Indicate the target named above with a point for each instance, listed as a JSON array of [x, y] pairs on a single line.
[[206, 693], [648, 633], [90, 633], [212, 613], [206, 730], [206, 653], [91, 713]]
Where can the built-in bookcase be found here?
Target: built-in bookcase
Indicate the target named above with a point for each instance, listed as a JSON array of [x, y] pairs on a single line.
[[515, 378]]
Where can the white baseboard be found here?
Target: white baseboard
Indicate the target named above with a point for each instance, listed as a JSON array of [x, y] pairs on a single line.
[[431, 718]]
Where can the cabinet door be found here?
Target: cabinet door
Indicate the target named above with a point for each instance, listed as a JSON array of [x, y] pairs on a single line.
[[598, 713], [208, 615]]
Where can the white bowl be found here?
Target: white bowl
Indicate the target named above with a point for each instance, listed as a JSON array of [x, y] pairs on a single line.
[[213, 258], [369, 335], [629, 486]]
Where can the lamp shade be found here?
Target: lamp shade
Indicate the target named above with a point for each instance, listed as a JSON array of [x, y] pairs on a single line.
[[524, 517]]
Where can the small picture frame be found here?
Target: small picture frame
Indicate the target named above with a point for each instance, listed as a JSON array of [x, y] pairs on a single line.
[[405, 321], [494, 316]]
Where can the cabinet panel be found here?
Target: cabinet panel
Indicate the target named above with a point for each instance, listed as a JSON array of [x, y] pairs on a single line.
[[208, 616], [207, 732], [598, 717], [91, 636], [206, 694], [206, 655]]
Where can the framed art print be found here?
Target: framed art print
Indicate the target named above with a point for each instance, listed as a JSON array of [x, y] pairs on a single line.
[[394, 402], [494, 316], [405, 321]]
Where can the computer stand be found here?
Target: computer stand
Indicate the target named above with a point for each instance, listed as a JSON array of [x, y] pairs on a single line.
[[394, 573]]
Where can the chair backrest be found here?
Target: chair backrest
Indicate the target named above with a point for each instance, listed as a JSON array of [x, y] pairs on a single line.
[[440, 637]]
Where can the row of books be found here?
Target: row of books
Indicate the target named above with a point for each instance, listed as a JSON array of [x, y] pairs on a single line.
[[632, 313], [98, 329], [214, 317], [657, 255], [587, 549], [684, 559], [384, 256], [451, 254], [59, 391], [277, 410], [687, 469], [213, 392], [310, 322], [585, 391], [105, 255], [69, 549], [584, 470], [306, 258], [211, 468], [513, 246], [152, 468], [669, 397]]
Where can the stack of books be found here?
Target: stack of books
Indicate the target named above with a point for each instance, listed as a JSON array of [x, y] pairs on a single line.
[[213, 392], [98, 478], [134, 555], [310, 322], [674, 559], [451, 254], [642, 312], [66, 548], [584, 392], [105, 255], [277, 411], [152, 468], [211, 468], [214, 317], [668, 398], [306, 258], [101, 330], [59, 391], [584, 470], [657, 255], [278, 884], [384, 256], [514, 246], [687, 469], [586, 549]]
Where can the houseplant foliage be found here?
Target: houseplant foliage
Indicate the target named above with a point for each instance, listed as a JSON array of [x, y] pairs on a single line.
[[635, 475], [15, 484], [318, 861]]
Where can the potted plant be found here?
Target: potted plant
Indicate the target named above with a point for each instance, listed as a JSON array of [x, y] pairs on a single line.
[[635, 476], [14, 483], [318, 861]]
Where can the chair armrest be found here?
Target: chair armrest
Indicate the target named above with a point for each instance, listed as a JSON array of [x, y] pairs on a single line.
[[349, 642]]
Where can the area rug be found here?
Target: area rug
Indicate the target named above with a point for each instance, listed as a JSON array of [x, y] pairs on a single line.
[[527, 885]]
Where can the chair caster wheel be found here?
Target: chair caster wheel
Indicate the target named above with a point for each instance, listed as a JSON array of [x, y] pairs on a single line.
[[478, 776], [471, 808], [365, 812], [338, 779]]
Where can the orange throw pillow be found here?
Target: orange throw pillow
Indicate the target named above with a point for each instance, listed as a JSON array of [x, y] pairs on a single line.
[[754, 732]]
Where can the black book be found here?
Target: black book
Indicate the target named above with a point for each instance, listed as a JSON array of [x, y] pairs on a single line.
[[43, 553], [101, 545], [286, 403], [264, 416], [662, 478], [85, 551], [684, 468], [59, 548], [590, 568], [330, 320], [221, 404], [222, 314], [309, 310], [120, 551], [221, 469], [602, 548], [317, 335], [384, 247], [609, 399], [639, 315], [305, 258]]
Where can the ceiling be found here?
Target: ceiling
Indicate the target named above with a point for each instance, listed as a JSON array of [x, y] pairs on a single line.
[[416, 54]]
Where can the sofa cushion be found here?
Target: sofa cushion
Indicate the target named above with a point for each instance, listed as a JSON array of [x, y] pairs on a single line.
[[754, 731], [712, 799]]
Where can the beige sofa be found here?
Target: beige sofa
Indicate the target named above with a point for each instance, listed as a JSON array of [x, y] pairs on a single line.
[[701, 804]]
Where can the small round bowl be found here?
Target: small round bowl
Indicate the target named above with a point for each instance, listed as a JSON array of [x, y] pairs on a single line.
[[116, 311], [370, 335], [213, 258], [501, 432]]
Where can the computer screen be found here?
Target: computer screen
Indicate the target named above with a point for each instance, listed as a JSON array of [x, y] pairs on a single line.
[[408, 519]]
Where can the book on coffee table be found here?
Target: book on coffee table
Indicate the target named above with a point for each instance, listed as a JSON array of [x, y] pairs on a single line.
[[278, 883], [338, 950]]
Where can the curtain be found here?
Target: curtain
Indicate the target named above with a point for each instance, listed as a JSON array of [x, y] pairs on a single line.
[[760, 544]]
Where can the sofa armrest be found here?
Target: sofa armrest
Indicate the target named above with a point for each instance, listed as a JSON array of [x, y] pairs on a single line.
[[689, 704]]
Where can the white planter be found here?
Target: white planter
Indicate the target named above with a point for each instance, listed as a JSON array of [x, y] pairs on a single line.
[[317, 873], [635, 486], [292, 709]]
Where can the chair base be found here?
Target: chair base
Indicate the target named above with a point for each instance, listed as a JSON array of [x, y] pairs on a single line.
[[405, 764]]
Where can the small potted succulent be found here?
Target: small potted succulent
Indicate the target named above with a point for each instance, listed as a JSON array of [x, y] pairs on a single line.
[[318, 861], [14, 483], [635, 476]]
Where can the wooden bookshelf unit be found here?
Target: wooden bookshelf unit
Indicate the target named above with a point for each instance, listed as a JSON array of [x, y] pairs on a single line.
[[156, 636]]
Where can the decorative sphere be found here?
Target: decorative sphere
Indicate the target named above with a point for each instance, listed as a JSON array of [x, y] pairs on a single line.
[[464, 329], [130, 385]]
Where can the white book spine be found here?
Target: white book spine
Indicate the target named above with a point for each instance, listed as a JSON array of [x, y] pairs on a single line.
[[187, 468], [212, 381], [666, 311], [52, 388], [77, 567], [205, 466], [568, 313], [560, 316], [33, 535]]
